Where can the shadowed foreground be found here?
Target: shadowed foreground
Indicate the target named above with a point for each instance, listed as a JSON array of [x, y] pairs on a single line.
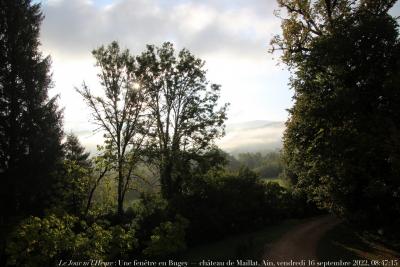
[[301, 242]]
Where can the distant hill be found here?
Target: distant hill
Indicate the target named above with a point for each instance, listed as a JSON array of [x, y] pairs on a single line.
[[253, 136]]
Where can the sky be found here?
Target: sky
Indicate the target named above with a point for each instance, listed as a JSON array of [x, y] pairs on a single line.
[[232, 36]]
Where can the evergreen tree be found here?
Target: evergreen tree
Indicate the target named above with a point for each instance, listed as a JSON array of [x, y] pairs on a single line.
[[74, 181], [30, 121], [74, 151]]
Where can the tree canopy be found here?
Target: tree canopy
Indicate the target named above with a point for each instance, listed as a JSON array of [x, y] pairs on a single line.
[[342, 140], [184, 107]]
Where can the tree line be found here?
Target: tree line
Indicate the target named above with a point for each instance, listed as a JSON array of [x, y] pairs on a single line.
[[267, 165]]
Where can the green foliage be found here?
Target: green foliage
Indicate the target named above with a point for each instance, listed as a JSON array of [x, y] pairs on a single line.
[[92, 243], [38, 242], [123, 242], [167, 239], [101, 241], [278, 200], [104, 198], [72, 188], [80, 179], [44, 241], [149, 211], [100, 193], [149, 205], [341, 143]]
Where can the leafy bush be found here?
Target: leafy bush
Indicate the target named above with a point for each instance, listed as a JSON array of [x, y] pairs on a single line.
[[148, 212], [123, 242], [44, 241], [92, 243], [38, 242], [167, 238]]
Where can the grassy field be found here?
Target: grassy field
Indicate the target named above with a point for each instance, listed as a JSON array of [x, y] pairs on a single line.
[[342, 242], [244, 246]]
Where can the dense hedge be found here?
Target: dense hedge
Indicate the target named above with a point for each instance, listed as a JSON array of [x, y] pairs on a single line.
[[221, 204]]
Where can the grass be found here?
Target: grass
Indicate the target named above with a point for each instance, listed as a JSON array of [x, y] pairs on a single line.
[[243, 246], [343, 242]]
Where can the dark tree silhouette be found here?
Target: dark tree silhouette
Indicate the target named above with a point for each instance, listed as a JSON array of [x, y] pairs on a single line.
[[342, 140], [30, 122], [184, 109]]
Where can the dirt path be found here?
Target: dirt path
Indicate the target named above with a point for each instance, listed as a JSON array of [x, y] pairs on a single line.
[[301, 242]]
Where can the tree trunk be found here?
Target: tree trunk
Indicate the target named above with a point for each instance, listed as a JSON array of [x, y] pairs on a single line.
[[166, 180], [89, 202], [120, 209]]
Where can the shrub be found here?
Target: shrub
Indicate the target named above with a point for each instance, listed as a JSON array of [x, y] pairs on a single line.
[[92, 243], [44, 241], [39, 242], [123, 242], [148, 213], [167, 239]]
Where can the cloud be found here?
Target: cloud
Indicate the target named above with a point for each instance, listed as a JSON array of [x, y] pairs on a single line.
[[73, 28]]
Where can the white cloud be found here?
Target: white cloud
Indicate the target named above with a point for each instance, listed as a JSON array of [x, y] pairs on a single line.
[[75, 27]]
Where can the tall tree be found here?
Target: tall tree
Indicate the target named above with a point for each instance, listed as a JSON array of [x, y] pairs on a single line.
[[30, 122], [342, 140], [119, 112], [184, 111]]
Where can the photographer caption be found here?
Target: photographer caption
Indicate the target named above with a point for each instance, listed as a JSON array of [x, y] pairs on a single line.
[[212, 263]]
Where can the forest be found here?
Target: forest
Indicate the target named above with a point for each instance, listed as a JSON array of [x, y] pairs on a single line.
[[159, 186]]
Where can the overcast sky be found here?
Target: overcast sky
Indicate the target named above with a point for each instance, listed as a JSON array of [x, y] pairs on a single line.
[[232, 36]]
